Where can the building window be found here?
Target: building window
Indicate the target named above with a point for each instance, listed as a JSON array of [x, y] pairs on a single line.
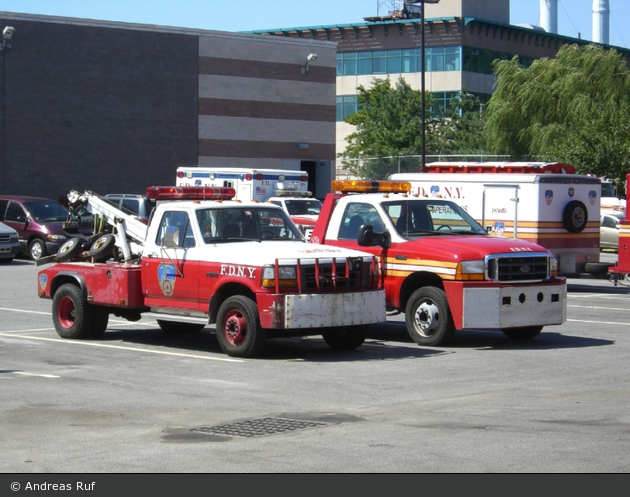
[[480, 60], [398, 61], [346, 105]]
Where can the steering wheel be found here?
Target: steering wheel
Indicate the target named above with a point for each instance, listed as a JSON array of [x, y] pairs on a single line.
[[443, 226]]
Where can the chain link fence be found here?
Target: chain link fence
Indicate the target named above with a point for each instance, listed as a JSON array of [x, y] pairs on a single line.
[[378, 168]]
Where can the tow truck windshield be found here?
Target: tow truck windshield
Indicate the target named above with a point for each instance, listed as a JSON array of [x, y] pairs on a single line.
[[246, 223]]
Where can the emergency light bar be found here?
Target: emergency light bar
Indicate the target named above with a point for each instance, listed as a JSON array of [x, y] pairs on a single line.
[[190, 193], [367, 186]]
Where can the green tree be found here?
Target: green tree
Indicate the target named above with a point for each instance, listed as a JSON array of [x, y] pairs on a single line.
[[460, 131], [388, 125], [574, 108]]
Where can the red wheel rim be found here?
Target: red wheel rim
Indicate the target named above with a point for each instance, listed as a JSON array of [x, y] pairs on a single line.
[[235, 327], [66, 312]]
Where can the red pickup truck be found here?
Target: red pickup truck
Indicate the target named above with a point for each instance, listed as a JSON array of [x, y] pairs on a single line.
[[440, 267]]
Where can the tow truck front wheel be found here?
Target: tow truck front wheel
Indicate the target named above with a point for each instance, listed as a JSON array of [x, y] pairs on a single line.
[[72, 316], [428, 317], [238, 327]]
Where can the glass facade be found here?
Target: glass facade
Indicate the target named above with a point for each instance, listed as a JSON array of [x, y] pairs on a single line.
[[407, 60]]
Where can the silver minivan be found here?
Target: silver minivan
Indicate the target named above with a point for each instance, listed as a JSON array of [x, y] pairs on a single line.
[[9, 243]]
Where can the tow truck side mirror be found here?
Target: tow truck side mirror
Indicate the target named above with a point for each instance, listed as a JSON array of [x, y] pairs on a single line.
[[171, 237], [368, 238]]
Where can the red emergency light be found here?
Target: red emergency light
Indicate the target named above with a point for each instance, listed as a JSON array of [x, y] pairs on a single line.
[[190, 193]]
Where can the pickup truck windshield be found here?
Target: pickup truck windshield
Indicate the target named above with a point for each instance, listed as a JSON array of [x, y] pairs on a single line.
[[419, 217]]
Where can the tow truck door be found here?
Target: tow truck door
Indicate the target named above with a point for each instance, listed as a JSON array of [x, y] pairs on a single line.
[[170, 272]]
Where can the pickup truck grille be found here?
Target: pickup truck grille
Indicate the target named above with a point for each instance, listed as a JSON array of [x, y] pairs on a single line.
[[336, 275], [521, 268]]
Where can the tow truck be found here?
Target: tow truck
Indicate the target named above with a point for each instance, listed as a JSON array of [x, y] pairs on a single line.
[[440, 267], [205, 258]]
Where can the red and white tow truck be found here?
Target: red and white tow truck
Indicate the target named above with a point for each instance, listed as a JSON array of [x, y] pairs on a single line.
[[204, 258], [440, 267]]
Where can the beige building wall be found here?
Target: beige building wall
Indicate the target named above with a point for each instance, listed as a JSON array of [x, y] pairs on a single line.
[[257, 100]]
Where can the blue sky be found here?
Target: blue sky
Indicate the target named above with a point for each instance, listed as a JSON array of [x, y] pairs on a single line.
[[574, 16]]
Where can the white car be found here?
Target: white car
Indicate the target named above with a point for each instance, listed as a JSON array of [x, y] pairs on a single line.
[[9, 243], [609, 231]]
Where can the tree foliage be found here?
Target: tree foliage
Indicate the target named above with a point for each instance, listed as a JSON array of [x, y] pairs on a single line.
[[389, 129], [574, 108]]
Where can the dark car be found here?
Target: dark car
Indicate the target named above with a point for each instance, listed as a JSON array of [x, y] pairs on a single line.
[[43, 225]]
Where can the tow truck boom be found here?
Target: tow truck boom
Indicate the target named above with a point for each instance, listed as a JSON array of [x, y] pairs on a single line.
[[130, 233]]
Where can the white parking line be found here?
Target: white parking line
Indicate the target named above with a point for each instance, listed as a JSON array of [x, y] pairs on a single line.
[[36, 374], [120, 347]]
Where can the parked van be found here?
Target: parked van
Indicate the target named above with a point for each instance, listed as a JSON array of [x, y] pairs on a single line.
[[43, 225], [129, 202]]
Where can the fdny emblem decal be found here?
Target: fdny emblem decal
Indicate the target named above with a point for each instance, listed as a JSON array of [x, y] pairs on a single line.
[[166, 278], [43, 280]]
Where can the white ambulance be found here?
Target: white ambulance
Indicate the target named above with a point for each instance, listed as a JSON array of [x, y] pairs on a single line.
[[557, 210], [250, 184]]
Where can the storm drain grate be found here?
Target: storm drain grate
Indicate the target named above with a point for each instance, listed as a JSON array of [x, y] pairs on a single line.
[[259, 427]]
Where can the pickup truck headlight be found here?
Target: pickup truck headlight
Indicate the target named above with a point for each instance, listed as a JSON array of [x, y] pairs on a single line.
[[471, 271], [553, 266], [287, 276]]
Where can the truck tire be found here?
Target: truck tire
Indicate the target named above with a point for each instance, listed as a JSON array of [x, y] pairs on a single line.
[[575, 217], [37, 249], [69, 249], [100, 320], [176, 327], [238, 327], [344, 338], [72, 316], [524, 333], [428, 317], [103, 247]]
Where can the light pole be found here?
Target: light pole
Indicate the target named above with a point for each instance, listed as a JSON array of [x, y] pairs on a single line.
[[422, 85]]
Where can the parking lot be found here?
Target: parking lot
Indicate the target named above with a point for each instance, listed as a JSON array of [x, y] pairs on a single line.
[[141, 401]]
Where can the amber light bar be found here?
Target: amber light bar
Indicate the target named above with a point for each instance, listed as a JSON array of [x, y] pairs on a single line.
[[367, 186], [190, 193]]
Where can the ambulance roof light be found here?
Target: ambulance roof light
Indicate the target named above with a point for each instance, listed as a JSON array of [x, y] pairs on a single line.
[[367, 186], [190, 193]]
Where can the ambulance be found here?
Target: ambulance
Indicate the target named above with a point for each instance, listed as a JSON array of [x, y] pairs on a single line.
[[250, 184], [544, 203]]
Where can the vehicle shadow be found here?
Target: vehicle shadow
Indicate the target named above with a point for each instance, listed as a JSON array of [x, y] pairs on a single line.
[[310, 348]]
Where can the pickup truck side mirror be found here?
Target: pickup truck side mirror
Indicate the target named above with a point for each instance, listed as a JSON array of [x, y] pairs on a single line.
[[368, 238]]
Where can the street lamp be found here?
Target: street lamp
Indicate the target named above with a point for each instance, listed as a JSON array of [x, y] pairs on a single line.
[[422, 2]]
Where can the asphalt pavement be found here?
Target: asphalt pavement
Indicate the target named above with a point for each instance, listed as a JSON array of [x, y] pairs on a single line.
[[142, 401]]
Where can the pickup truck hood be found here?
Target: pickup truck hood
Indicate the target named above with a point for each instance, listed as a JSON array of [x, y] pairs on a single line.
[[467, 247]]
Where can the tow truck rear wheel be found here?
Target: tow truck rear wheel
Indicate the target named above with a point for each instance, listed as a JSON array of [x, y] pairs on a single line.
[[428, 317], [238, 327], [100, 320], [524, 333], [72, 316], [344, 338]]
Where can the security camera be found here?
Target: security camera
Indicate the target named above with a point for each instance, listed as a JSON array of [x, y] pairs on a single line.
[[7, 32], [311, 57]]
